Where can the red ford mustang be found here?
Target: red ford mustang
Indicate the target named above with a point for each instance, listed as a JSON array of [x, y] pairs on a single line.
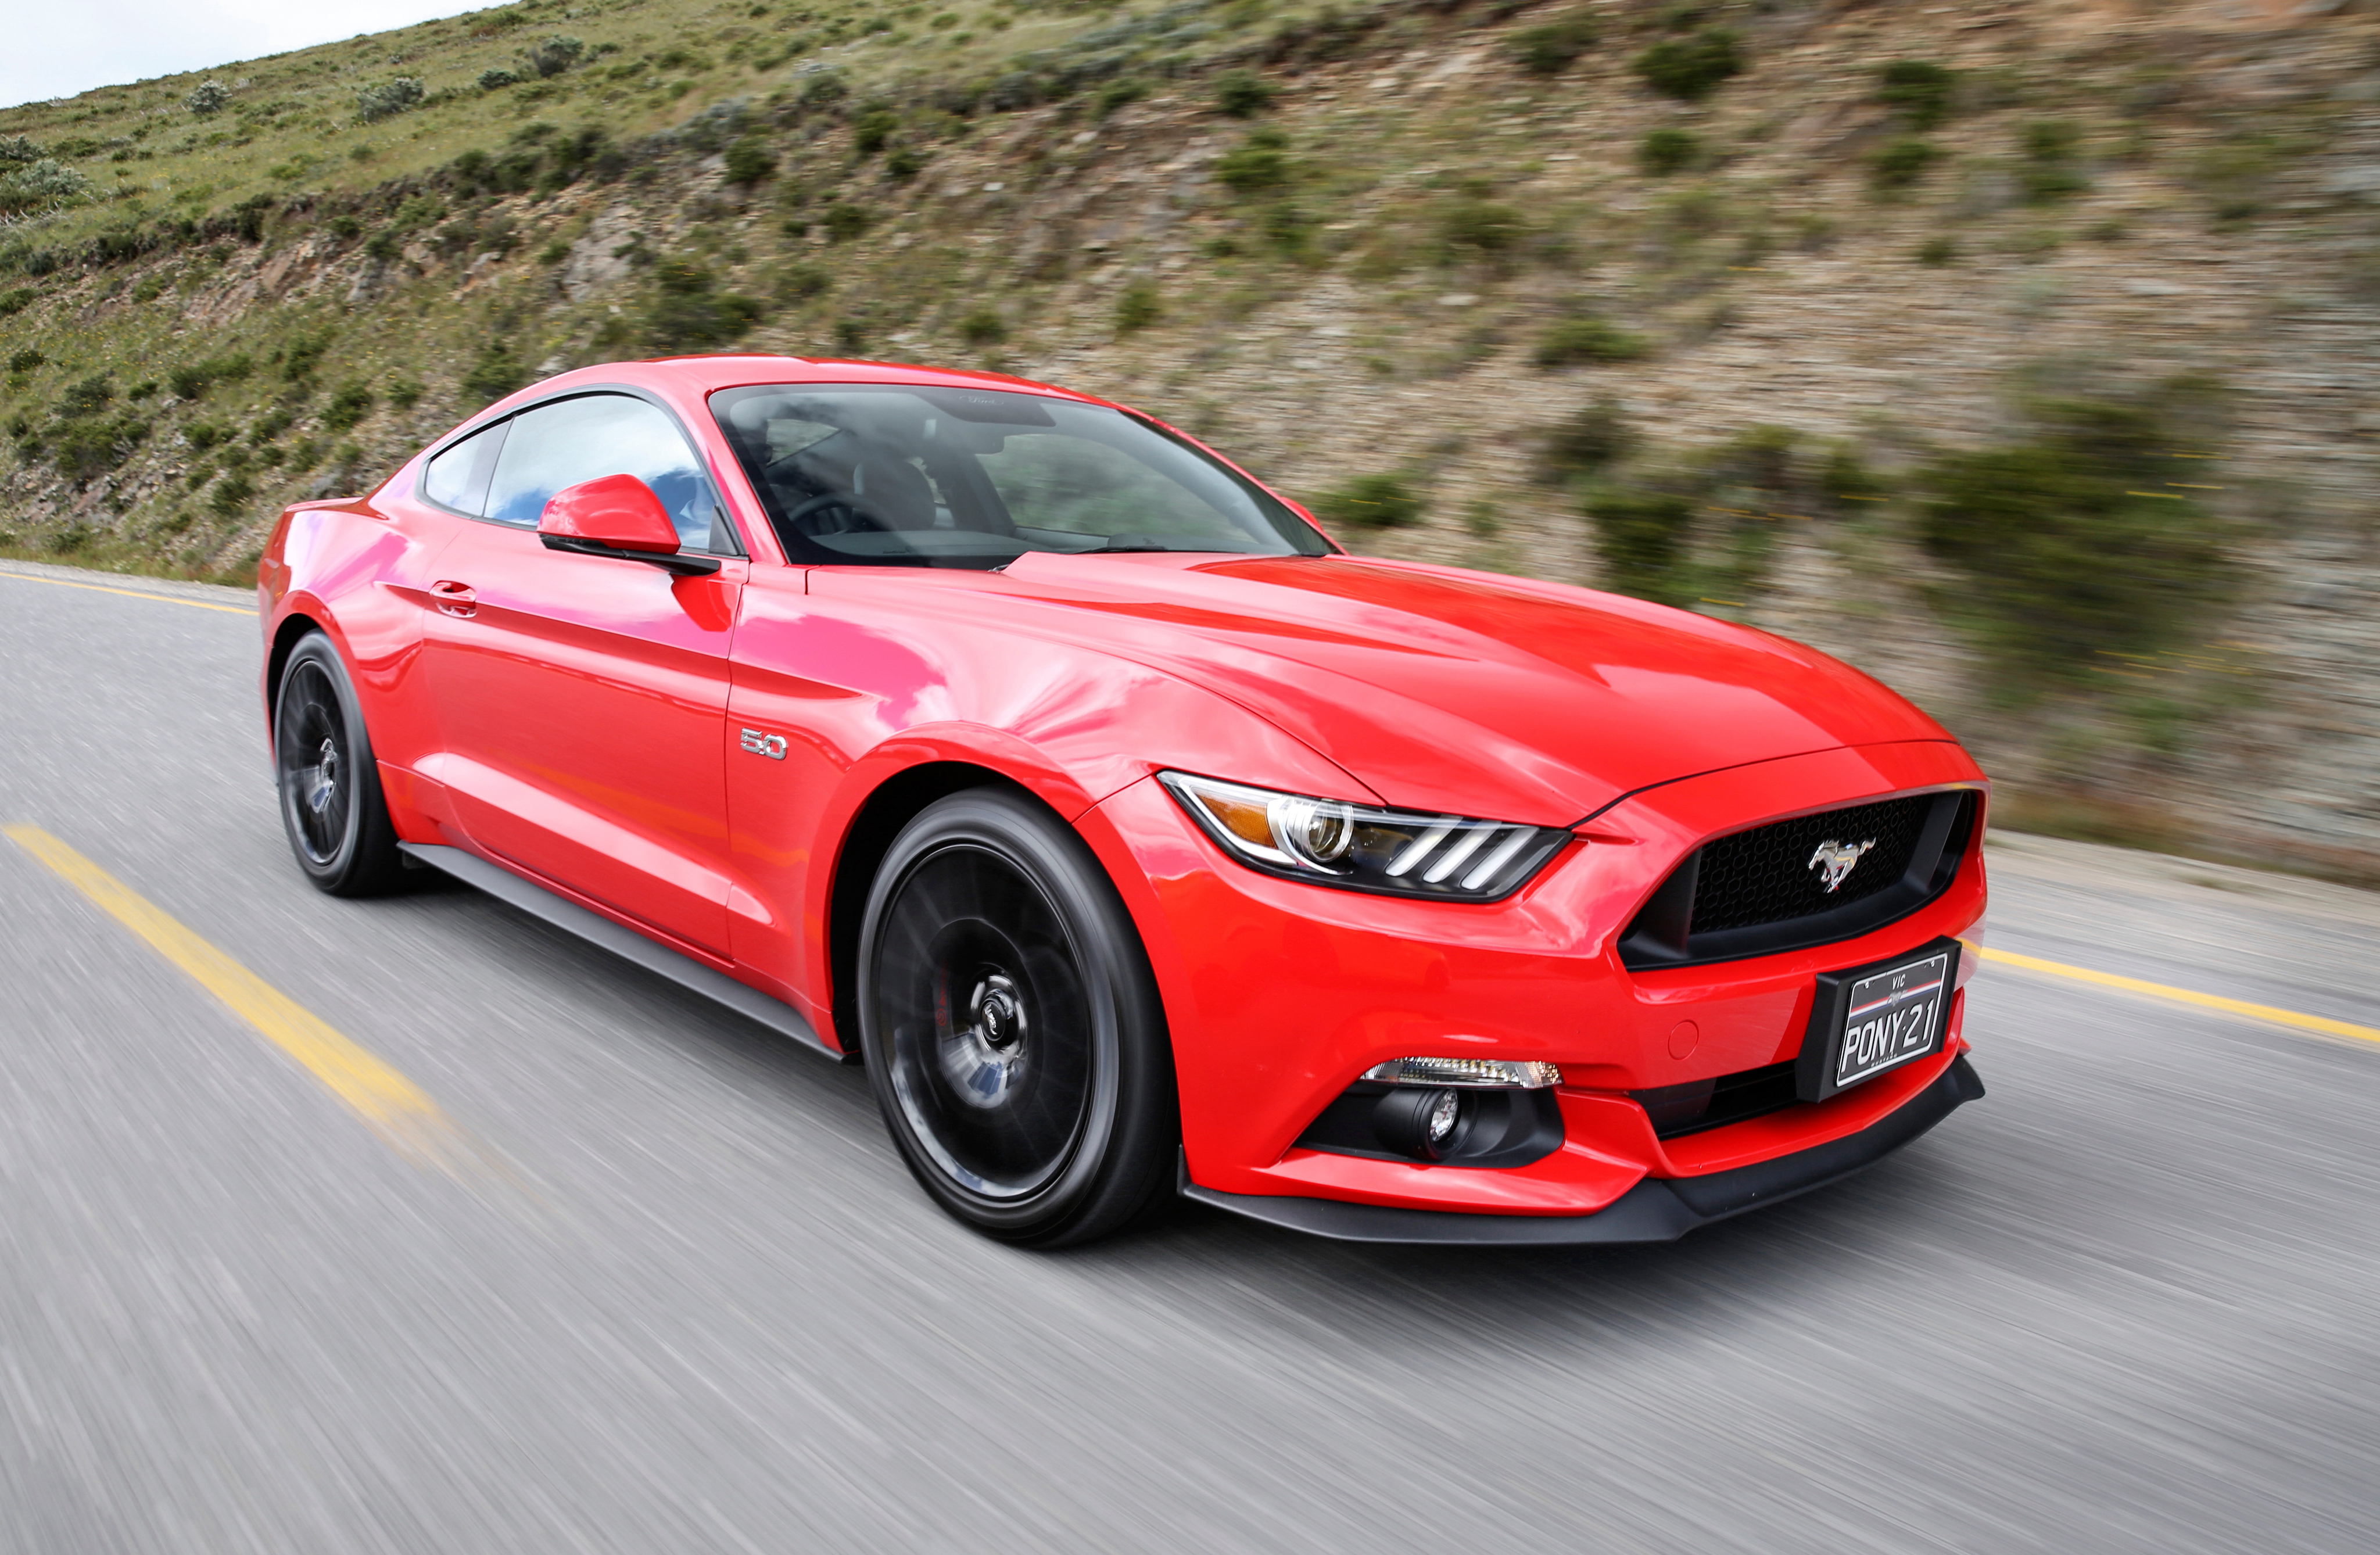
[[1136, 838]]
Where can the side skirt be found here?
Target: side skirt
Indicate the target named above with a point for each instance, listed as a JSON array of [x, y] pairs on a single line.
[[623, 942], [1656, 1210]]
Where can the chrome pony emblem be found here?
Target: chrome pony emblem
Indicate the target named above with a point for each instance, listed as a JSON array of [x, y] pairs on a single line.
[[1839, 860]]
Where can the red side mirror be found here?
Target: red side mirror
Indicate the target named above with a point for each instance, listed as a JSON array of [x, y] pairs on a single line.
[[617, 512]]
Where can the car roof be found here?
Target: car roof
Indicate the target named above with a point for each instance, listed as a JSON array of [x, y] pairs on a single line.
[[699, 376]]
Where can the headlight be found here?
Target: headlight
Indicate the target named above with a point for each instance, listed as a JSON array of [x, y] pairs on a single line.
[[1356, 847]]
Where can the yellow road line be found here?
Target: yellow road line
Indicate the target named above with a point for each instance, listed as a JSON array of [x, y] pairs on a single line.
[[135, 593], [390, 1103], [2241, 1007]]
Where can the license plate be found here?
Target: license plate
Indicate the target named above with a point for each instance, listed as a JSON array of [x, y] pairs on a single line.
[[1869, 1019]]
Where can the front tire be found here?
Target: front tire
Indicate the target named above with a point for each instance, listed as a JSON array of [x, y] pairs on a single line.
[[1011, 1026], [331, 800]]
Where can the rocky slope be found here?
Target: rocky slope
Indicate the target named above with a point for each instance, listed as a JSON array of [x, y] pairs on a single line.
[[1488, 268]]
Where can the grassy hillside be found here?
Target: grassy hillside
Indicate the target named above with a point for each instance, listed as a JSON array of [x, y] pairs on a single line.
[[2019, 352]]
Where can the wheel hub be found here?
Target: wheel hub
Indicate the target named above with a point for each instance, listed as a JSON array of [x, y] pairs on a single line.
[[998, 1012], [326, 778], [984, 1059]]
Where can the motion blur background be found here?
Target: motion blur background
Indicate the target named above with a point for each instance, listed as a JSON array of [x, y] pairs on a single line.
[[2018, 352]]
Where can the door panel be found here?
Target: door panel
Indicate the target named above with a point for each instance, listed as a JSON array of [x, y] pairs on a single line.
[[582, 702]]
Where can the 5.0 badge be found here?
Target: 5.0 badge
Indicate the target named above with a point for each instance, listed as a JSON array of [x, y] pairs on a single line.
[[770, 745]]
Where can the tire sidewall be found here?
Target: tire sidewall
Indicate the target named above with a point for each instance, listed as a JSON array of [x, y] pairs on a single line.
[[1100, 1187], [352, 870]]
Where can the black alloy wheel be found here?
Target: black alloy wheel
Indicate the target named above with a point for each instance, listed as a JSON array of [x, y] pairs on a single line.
[[1011, 1028], [331, 799]]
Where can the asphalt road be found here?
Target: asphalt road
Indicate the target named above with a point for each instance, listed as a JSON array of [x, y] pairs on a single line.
[[677, 1294]]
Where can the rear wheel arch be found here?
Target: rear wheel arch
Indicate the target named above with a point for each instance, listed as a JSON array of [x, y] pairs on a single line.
[[286, 637]]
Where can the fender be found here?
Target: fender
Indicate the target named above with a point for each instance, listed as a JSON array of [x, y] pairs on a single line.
[[357, 576]]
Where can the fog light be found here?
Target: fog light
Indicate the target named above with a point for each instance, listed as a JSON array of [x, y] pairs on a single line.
[[1471, 1074], [1425, 1124], [1445, 1111]]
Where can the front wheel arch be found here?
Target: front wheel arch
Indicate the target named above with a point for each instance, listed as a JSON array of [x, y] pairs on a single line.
[[893, 805]]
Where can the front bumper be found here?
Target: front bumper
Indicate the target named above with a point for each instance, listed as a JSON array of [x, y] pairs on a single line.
[[1279, 994], [1656, 1210]]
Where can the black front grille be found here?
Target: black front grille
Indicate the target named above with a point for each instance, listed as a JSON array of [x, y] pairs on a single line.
[[1764, 890], [1768, 872]]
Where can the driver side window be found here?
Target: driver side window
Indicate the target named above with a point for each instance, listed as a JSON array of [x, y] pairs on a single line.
[[580, 439]]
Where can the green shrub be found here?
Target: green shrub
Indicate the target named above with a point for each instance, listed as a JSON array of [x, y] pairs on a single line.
[[87, 397], [42, 185], [1258, 164], [25, 358], [1118, 94], [405, 393], [1481, 227], [1846, 478], [750, 161], [904, 164], [1900, 164], [207, 98], [16, 299], [1665, 152], [496, 373], [1370, 501], [873, 128], [1587, 339], [388, 99], [844, 222], [1937, 253], [1584, 442], [1691, 67], [269, 426], [305, 354], [348, 407], [1549, 48], [851, 336], [1640, 538], [497, 80], [689, 313], [799, 283], [554, 56], [2080, 543], [193, 380], [1241, 94], [2049, 173], [87, 446], [231, 496], [983, 327], [1137, 307], [1918, 93]]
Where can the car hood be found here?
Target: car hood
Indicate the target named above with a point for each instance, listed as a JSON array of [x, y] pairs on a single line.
[[1457, 691]]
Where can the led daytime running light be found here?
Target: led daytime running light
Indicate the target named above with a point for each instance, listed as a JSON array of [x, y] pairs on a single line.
[[1469, 1074], [1360, 847]]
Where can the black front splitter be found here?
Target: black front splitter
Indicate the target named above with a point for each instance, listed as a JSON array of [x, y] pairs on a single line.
[[1657, 1210]]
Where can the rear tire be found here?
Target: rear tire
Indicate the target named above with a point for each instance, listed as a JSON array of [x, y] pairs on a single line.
[[1011, 1028], [331, 800]]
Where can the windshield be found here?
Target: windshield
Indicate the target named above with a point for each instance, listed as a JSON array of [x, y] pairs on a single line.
[[896, 475]]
